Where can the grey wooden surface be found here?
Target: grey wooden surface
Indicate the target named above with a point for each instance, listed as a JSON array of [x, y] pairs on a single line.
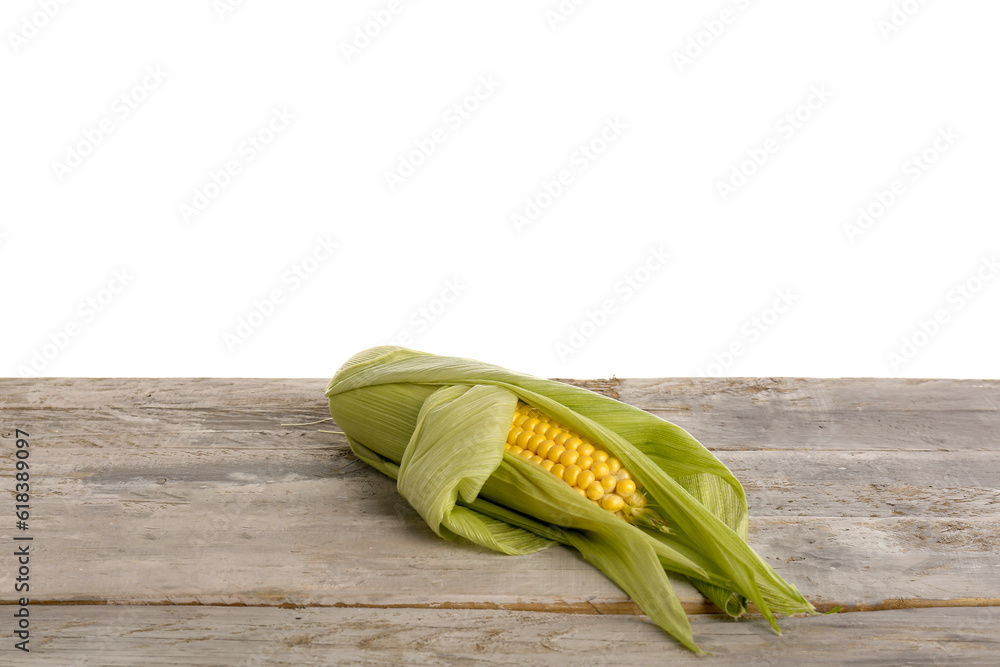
[[184, 520]]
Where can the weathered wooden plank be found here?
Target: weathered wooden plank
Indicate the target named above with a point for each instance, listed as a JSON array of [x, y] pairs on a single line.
[[187, 393], [757, 428], [348, 540], [157, 427], [818, 483], [154, 428], [823, 484], [811, 394], [905, 484], [723, 413], [230, 525], [735, 429], [869, 484], [171, 635], [671, 394], [844, 413], [874, 562]]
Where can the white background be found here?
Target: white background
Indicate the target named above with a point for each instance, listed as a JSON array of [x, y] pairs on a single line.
[[893, 76]]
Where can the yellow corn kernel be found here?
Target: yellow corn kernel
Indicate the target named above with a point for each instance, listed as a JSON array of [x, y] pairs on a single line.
[[573, 443], [519, 418], [626, 487], [585, 462], [547, 464], [600, 469], [516, 450], [543, 449], [523, 437], [614, 465], [557, 469], [536, 459], [529, 425], [512, 436], [600, 455], [528, 454], [563, 437], [534, 441], [555, 452], [585, 479], [595, 491], [571, 474], [609, 482], [552, 431], [569, 457], [586, 450], [613, 502]]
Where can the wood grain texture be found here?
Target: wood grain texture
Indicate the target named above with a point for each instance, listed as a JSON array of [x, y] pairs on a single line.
[[853, 414], [254, 637], [869, 494], [227, 525]]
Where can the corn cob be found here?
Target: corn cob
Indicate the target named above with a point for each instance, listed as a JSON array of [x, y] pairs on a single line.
[[572, 458], [516, 463]]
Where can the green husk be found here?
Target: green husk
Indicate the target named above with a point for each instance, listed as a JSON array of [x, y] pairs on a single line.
[[438, 426]]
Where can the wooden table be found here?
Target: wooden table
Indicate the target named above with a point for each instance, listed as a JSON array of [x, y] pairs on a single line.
[[182, 521]]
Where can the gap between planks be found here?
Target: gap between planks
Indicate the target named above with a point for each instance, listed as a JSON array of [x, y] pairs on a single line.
[[588, 608]]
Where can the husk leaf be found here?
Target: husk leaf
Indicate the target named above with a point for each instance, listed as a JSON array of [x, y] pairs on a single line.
[[438, 425]]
